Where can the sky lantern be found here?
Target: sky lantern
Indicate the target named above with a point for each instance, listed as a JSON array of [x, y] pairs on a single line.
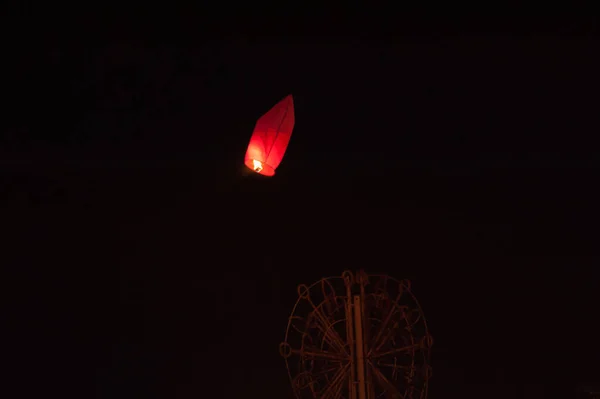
[[270, 138]]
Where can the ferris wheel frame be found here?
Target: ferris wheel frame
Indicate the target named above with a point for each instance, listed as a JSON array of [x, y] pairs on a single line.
[[358, 371]]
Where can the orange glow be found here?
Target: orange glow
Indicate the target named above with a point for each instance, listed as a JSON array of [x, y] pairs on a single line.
[[270, 138], [258, 166]]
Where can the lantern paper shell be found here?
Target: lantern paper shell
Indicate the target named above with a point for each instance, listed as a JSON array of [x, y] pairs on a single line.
[[270, 138]]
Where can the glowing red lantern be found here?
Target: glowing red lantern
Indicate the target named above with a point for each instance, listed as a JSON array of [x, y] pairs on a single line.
[[270, 138]]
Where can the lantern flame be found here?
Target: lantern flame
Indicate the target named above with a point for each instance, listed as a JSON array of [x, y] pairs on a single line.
[[258, 166]]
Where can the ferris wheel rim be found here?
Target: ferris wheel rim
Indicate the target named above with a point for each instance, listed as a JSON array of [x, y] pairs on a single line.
[[309, 287]]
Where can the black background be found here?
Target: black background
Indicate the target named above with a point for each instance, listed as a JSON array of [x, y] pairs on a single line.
[[459, 153]]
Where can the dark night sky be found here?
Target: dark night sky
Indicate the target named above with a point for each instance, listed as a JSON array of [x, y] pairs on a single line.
[[465, 160]]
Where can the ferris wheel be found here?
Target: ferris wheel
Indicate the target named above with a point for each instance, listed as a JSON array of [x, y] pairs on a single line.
[[357, 336]]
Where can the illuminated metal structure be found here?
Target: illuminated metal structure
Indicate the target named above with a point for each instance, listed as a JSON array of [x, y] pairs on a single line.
[[358, 336]]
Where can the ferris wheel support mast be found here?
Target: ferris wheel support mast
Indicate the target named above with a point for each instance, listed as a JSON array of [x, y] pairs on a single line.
[[359, 347], [356, 333]]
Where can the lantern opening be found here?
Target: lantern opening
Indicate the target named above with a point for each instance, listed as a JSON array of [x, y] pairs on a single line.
[[257, 165], [260, 167]]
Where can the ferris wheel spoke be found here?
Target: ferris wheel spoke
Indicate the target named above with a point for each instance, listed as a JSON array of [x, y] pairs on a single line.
[[385, 382], [330, 335], [339, 386], [333, 389], [393, 366], [404, 349], [385, 339], [385, 323], [332, 338], [326, 372], [315, 353]]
